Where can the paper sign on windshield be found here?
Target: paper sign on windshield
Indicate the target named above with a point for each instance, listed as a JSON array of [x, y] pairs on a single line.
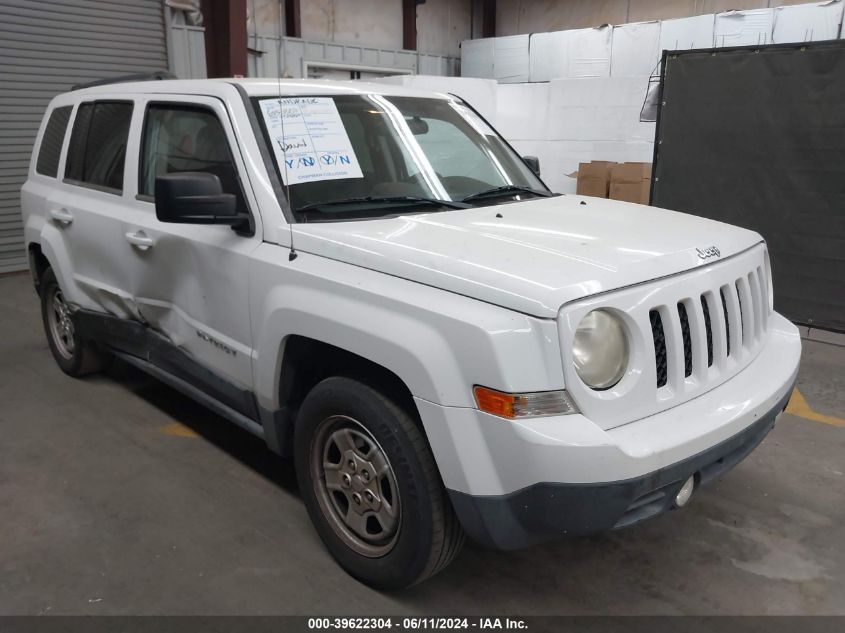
[[309, 140]]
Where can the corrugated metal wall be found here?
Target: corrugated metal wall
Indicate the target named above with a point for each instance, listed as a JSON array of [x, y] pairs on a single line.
[[46, 46]]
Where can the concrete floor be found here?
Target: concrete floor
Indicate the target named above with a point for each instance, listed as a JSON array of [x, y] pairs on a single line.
[[120, 496]]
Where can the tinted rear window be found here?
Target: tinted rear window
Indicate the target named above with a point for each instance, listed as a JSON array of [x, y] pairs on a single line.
[[51, 144], [98, 144]]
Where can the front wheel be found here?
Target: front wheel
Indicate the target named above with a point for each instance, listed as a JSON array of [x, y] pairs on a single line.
[[73, 355], [371, 486]]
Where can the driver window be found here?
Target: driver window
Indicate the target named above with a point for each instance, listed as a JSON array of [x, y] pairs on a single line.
[[186, 138]]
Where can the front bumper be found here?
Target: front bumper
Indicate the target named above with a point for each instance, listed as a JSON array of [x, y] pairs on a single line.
[[514, 483], [548, 510]]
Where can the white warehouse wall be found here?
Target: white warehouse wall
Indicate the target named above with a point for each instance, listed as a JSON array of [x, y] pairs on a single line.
[[441, 24], [538, 16], [568, 121], [588, 84], [563, 122], [633, 49], [375, 23]]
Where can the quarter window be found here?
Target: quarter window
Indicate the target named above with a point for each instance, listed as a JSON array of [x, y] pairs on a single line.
[[186, 138], [51, 144], [98, 144]]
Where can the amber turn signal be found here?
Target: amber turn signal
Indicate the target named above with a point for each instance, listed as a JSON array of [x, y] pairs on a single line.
[[523, 405]]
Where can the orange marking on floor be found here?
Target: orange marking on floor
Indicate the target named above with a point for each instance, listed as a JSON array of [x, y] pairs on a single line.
[[178, 430], [798, 406]]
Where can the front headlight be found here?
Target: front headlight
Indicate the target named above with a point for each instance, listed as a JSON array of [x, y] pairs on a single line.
[[600, 349]]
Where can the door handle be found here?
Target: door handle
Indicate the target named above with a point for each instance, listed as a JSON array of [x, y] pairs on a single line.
[[140, 239], [62, 216]]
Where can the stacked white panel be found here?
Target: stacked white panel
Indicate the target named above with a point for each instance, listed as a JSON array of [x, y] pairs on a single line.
[[808, 22]]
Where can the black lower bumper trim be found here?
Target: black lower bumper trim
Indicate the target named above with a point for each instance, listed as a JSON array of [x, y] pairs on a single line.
[[141, 341], [549, 510]]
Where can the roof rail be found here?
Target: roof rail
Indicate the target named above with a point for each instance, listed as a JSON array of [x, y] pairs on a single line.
[[121, 79]]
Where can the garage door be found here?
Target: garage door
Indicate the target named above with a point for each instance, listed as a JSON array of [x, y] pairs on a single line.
[[46, 46]]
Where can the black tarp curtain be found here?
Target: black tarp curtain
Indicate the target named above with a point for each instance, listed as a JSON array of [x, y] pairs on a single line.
[[756, 137]]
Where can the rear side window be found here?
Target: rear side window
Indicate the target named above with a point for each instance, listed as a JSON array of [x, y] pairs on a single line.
[[51, 144], [98, 144]]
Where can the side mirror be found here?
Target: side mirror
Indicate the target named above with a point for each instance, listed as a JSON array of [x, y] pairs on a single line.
[[533, 164], [195, 198]]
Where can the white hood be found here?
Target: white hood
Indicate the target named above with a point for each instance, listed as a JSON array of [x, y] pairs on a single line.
[[539, 255]]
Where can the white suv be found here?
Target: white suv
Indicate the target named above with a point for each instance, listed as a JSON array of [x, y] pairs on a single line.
[[373, 281]]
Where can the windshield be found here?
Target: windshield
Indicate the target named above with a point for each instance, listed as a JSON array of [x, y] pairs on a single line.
[[358, 156]]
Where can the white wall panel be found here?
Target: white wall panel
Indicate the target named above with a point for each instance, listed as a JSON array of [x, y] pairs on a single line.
[[598, 109], [477, 58], [588, 52], [744, 28], [547, 54], [808, 22], [510, 58], [522, 111], [634, 49], [574, 53], [686, 33]]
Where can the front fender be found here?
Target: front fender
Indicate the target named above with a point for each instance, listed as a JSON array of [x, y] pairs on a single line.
[[438, 343]]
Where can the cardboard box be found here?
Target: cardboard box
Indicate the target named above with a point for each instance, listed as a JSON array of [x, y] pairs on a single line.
[[594, 178], [630, 182]]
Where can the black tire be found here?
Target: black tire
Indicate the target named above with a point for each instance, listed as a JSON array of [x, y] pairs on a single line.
[[429, 535], [74, 356]]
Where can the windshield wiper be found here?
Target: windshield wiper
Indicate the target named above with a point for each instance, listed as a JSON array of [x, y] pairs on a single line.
[[506, 190], [451, 204]]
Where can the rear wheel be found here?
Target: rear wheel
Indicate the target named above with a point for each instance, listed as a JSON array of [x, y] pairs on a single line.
[[371, 486], [73, 355]]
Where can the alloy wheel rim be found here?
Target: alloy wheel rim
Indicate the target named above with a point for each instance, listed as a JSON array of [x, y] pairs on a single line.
[[355, 486], [61, 324]]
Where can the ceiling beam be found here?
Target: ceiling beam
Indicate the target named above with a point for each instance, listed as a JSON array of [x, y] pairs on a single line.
[[409, 24], [225, 37], [293, 19], [488, 18]]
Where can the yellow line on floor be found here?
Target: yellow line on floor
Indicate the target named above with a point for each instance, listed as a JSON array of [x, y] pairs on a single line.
[[798, 406], [178, 430]]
